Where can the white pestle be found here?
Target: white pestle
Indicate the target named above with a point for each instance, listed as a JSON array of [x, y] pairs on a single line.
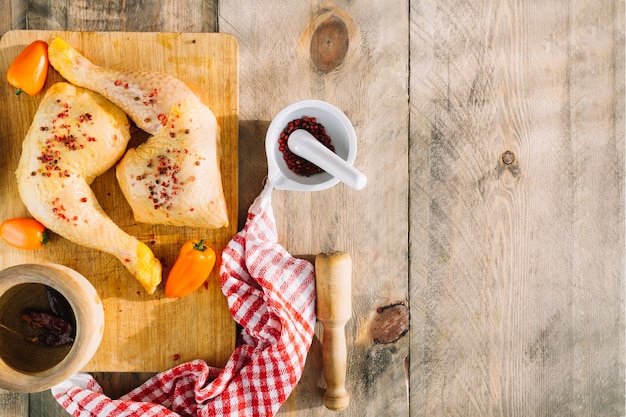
[[303, 144]]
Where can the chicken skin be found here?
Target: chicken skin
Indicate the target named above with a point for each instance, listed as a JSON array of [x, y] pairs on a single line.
[[174, 177], [77, 135]]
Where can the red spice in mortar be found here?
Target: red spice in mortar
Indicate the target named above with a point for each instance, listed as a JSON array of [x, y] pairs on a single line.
[[300, 165]]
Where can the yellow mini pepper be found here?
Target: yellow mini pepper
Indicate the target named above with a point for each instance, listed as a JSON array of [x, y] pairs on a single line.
[[29, 70], [191, 269]]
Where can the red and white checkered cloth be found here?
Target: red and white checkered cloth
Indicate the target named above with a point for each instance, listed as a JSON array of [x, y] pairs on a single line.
[[272, 295]]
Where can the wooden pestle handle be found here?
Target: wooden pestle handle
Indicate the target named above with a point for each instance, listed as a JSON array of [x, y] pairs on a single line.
[[333, 282]]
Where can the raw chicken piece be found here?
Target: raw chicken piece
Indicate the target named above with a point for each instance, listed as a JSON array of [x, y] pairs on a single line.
[[174, 177], [77, 135]]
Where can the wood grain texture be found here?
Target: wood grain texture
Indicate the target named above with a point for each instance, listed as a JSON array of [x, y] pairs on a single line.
[[13, 15], [13, 404], [277, 69], [123, 16], [517, 273], [43, 404], [516, 270]]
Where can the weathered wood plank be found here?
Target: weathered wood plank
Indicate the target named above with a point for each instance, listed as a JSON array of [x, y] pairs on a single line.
[[13, 405], [291, 51], [123, 16], [13, 17], [116, 384], [517, 208], [43, 404]]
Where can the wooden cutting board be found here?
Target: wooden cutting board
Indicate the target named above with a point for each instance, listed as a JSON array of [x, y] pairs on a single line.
[[143, 333]]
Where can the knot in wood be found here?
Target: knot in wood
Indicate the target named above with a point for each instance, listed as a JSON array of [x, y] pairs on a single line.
[[329, 43], [390, 323], [508, 158]]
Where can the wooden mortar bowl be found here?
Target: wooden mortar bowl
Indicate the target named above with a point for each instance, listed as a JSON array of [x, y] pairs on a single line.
[[29, 367]]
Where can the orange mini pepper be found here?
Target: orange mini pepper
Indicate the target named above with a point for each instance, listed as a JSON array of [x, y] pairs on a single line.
[[24, 233], [193, 266], [29, 70]]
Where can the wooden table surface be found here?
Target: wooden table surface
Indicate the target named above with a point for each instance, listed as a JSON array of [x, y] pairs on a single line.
[[492, 135]]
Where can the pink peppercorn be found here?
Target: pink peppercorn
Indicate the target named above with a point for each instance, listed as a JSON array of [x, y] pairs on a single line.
[[295, 163]]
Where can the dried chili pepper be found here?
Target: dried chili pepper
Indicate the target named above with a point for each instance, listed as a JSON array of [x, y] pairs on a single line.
[[24, 233], [295, 163], [60, 306], [58, 331], [191, 269], [29, 70]]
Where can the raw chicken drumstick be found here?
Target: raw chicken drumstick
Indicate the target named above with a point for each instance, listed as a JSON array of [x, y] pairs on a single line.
[[77, 135], [174, 177]]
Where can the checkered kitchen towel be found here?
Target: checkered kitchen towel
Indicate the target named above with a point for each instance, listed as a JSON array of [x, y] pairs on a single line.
[[272, 295]]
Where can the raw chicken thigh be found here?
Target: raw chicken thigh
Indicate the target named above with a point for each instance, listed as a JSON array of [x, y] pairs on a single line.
[[77, 135], [174, 177]]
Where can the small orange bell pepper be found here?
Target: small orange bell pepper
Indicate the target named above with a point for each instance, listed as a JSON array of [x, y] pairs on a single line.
[[24, 233], [193, 266], [29, 70]]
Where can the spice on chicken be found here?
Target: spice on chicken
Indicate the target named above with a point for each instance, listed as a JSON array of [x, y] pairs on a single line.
[[60, 134], [295, 163]]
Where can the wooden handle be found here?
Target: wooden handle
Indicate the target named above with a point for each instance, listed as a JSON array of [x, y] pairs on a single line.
[[333, 283]]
